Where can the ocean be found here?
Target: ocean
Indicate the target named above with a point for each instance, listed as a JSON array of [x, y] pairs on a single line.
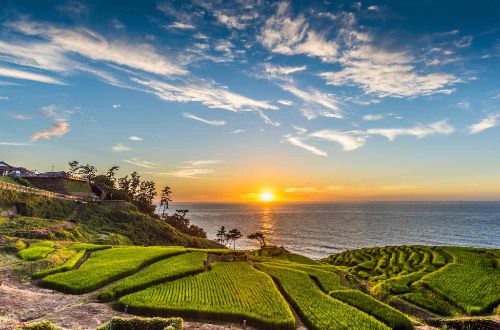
[[320, 229]]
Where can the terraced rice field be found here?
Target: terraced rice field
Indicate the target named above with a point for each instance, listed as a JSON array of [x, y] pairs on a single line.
[[229, 291], [444, 280], [106, 266], [161, 271], [318, 310]]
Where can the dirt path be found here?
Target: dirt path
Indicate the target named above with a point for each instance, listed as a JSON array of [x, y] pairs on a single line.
[[24, 302]]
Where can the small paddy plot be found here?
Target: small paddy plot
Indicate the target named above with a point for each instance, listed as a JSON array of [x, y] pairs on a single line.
[[161, 271], [318, 310], [229, 291], [69, 264], [106, 266], [385, 313]]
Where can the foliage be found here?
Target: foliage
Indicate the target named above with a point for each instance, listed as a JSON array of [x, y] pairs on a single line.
[[69, 264], [42, 325], [140, 323], [258, 236], [180, 222], [161, 271], [318, 310], [88, 247], [35, 253], [385, 313], [229, 291], [106, 266]]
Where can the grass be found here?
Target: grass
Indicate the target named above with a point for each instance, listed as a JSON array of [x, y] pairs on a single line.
[[385, 313], [106, 266], [429, 302], [229, 291], [34, 252], [161, 271], [69, 264], [472, 287], [88, 247], [318, 310]]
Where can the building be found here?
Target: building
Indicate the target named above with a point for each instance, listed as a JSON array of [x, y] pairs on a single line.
[[6, 169]]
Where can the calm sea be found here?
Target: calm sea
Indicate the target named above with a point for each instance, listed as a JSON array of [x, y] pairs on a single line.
[[318, 230]]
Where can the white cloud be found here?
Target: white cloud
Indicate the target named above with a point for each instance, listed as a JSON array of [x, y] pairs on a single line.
[[297, 141], [232, 22], [119, 147], [463, 105], [57, 129], [206, 121], [373, 8], [116, 106], [92, 45], [210, 95], [142, 163], [283, 70], [318, 103], [284, 35], [13, 144], [181, 26], [372, 117], [135, 138], [419, 131], [4, 98], [387, 74], [285, 102], [25, 75], [486, 123], [347, 140], [267, 119], [237, 131], [192, 169], [19, 116]]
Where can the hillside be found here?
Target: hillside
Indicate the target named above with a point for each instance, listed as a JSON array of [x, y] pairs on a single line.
[[117, 223], [270, 288]]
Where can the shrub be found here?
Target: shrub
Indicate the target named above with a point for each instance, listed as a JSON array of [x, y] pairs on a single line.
[[42, 325], [140, 323]]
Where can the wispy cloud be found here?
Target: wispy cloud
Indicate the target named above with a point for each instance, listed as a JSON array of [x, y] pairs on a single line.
[[26, 75], [135, 138], [285, 102], [298, 142], [373, 117], [92, 45], [209, 94], [19, 116], [181, 26], [192, 169], [347, 140], [116, 106], [284, 34], [488, 122], [4, 98], [316, 102], [283, 70], [13, 144], [206, 121], [119, 147], [57, 129], [237, 131], [419, 131], [142, 163]]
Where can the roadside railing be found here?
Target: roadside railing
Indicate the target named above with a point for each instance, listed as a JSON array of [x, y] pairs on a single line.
[[38, 192]]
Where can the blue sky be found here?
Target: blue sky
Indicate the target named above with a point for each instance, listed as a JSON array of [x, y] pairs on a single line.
[[222, 100]]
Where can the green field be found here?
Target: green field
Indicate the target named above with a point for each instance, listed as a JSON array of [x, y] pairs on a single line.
[[318, 310], [350, 290], [161, 271], [106, 266], [229, 291]]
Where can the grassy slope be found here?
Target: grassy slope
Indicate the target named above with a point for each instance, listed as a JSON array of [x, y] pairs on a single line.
[[91, 220]]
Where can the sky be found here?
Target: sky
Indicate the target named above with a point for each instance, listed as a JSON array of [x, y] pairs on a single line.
[[225, 100]]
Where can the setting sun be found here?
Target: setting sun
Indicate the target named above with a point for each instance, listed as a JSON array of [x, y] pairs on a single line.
[[266, 197]]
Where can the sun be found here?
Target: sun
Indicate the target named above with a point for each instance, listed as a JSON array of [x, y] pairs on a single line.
[[266, 196]]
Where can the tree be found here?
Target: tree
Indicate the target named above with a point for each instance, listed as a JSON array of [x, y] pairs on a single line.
[[88, 172], [165, 199], [135, 181], [111, 174], [74, 166], [259, 237], [234, 235], [124, 184], [221, 235]]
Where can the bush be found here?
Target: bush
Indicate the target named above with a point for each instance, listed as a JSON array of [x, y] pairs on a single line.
[[42, 325], [140, 323]]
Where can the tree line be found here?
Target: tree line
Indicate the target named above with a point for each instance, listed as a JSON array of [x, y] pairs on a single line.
[[225, 237]]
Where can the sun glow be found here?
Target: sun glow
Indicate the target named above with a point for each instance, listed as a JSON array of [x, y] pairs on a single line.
[[266, 196]]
